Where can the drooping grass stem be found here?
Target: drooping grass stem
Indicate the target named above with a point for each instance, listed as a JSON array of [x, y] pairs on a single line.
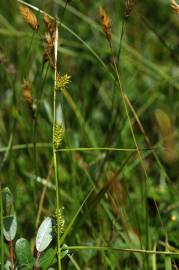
[[136, 144]]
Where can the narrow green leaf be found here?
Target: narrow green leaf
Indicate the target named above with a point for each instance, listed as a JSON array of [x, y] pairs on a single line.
[[7, 200]]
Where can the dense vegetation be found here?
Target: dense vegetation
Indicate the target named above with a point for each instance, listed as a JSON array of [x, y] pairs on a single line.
[[89, 134]]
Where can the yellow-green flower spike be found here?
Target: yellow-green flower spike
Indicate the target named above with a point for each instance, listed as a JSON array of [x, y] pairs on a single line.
[[59, 216], [62, 81], [58, 135]]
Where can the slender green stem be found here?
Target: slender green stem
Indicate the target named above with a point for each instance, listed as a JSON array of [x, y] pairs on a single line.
[[122, 93], [74, 262], [142, 251], [54, 149], [25, 146], [2, 237], [98, 149], [73, 149]]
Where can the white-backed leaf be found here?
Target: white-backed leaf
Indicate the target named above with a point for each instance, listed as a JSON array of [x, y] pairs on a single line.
[[44, 234], [9, 227]]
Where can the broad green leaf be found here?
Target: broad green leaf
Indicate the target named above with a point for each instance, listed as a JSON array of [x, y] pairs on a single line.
[[44, 234], [48, 258], [10, 227], [23, 253]]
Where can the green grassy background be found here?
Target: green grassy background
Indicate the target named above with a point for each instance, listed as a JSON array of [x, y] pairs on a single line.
[[93, 115]]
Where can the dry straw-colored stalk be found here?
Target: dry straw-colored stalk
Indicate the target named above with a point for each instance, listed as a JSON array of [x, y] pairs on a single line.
[[105, 22], [175, 6], [28, 16]]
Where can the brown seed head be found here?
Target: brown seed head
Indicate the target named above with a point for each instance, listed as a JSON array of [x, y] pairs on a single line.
[[29, 16], [48, 54], [27, 93], [175, 6], [129, 4], [51, 24], [105, 22]]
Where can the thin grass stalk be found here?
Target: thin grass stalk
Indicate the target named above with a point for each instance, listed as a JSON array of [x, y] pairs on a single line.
[[136, 144], [75, 149], [128, 250], [153, 151], [154, 258], [54, 149], [2, 236], [73, 261]]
